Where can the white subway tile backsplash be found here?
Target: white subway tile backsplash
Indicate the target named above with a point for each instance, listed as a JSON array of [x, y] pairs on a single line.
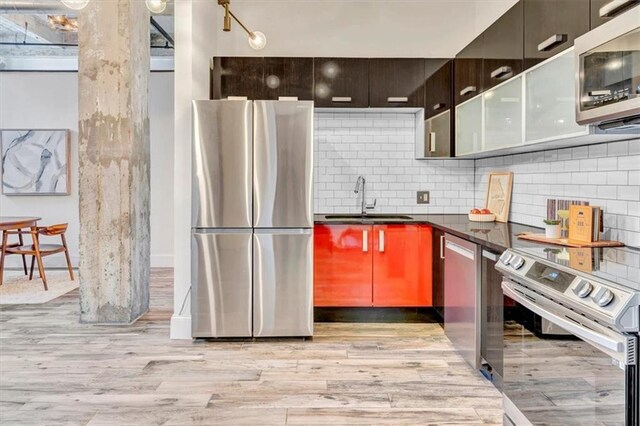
[[614, 184], [380, 147]]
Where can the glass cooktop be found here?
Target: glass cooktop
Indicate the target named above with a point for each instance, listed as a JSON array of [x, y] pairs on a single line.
[[620, 264]]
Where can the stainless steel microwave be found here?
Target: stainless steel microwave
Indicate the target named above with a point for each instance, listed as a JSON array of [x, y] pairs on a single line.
[[608, 73]]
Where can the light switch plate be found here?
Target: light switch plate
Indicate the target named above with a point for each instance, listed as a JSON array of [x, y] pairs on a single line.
[[423, 197]]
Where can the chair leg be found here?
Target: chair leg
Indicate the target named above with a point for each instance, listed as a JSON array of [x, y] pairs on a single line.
[[2, 253], [33, 262], [36, 246], [66, 254], [24, 257]]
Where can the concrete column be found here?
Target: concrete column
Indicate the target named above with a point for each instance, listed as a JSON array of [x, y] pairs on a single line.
[[113, 79]]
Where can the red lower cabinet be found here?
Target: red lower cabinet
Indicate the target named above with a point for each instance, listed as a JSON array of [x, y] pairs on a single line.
[[402, 265], [380, 265], [342, 265]]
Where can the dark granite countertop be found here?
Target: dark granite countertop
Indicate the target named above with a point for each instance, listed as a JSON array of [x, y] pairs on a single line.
[[494, 236]]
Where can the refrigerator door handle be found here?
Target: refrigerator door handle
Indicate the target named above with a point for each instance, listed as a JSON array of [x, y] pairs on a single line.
[[365, 241]]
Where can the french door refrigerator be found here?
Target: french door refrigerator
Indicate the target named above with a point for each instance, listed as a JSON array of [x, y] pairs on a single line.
[[252, 219]]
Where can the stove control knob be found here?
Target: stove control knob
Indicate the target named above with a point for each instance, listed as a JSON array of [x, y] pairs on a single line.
[[506, 257], [603, 297], [517, 262], [583, 289]]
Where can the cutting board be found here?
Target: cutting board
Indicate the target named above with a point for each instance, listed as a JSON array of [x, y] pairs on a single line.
[[540, 238]]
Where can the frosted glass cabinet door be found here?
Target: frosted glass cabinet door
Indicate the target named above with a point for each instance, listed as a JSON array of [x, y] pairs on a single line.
[[469, 127], [503, 116], [550, 93]]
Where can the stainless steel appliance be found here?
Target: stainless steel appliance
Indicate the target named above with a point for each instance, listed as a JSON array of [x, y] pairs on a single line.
[[252, 219], [462, 297], [590, 376], [608, 72]]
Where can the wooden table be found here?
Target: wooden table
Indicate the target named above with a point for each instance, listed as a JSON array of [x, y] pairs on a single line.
[[11, 223]]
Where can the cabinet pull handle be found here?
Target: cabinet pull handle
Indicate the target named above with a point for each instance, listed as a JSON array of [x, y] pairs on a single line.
[[381, 242], [615, 6], [365, 241], [400, 99], [468, 89], [287, 98], [437, 106], [501, 71], [432, 141], [442, 246], [345, 99], [552, 42]]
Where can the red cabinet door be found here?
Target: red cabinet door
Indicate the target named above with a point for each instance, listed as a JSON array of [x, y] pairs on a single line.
[[402, 265], [342, 265]]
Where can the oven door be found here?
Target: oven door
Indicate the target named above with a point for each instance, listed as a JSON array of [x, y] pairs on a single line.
[[586, 378]]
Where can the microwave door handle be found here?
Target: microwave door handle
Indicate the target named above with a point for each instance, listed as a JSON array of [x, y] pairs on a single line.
[[582, 332]]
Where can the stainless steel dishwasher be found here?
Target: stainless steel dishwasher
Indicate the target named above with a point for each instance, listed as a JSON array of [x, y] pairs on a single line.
[[462, 297]]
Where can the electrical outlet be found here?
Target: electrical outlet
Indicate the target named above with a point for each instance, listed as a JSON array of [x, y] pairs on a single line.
[[423, 197]]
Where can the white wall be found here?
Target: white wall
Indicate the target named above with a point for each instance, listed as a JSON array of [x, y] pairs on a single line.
[[33, 100], [358, 28], [381, 147]]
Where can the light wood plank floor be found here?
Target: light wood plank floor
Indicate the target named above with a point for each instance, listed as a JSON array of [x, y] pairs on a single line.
[[54, 370]]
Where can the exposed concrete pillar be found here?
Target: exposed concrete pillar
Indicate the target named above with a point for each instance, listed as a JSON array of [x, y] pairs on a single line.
[[113, 78]]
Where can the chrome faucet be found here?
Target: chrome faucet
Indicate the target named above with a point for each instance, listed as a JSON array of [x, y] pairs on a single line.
[[360, 185]]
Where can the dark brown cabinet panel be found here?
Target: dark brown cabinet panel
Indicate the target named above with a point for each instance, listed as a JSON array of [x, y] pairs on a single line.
[[468, 80], [396, 82], [597, 20], [237, 76], [288, 77], [438, 271], [503, 47], [550, 26], [437, 91], [341, 82]]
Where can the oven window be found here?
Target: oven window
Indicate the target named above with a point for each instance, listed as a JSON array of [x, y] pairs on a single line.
[[611, 72], [559, 380]]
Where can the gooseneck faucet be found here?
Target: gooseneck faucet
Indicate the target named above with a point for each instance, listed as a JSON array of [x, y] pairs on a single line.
[[360, 186]]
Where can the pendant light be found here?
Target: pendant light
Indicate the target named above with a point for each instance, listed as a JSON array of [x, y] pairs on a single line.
[[75, 4], [257, 40], [156, 6]]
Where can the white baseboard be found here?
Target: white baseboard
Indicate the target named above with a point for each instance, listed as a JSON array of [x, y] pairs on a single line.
[[181, 327], [162, 261]]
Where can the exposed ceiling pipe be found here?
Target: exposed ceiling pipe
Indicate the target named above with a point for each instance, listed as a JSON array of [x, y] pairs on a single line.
[[43, 7]]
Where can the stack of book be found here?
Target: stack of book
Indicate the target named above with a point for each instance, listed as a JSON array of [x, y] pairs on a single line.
[[585, 223]]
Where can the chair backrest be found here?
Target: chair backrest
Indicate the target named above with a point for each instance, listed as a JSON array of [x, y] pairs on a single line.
[[53, 229]]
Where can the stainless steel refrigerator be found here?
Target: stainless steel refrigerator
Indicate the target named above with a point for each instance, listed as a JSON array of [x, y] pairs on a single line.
[[252, 219]]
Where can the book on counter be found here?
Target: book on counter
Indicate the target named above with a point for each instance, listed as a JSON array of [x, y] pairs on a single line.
[[585, 223]]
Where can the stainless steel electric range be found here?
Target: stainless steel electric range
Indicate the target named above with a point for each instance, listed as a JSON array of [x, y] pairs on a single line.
[[571, 327]]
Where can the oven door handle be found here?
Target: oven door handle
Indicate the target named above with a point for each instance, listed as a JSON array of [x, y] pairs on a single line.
[[582, 332]]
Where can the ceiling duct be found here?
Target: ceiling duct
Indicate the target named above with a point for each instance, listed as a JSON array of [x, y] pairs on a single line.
[[44, 7]]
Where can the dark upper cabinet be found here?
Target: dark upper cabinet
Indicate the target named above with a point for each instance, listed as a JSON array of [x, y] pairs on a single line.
[[288, 77], [503, 47], [237, 76], [550, 26], [437, 90], [468, 78], [341, 82], [396, 82], [597, 20]]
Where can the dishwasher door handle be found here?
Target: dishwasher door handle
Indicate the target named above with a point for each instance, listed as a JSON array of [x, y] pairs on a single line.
[[469, 254]]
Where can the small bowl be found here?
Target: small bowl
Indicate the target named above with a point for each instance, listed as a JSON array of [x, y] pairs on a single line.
[[482, 217]]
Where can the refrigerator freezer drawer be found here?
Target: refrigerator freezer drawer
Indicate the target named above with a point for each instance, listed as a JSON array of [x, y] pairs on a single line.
[[221, 283], [222, 164], [283, 283], [283, 164]]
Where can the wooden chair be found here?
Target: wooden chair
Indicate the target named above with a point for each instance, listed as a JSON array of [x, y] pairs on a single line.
[[20, 242], [38, 250]]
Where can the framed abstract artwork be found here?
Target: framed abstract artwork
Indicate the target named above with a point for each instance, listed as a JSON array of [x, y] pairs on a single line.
[[499, 194], [35, 162]]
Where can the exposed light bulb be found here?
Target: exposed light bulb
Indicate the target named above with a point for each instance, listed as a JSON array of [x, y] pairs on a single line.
[[257, 40], [75, 4], [156, 6]]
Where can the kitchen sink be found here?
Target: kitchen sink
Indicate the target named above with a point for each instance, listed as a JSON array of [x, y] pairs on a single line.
[[367, 217]]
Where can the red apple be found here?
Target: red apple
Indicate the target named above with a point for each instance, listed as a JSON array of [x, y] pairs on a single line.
[[485, 211], [475, 211]]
